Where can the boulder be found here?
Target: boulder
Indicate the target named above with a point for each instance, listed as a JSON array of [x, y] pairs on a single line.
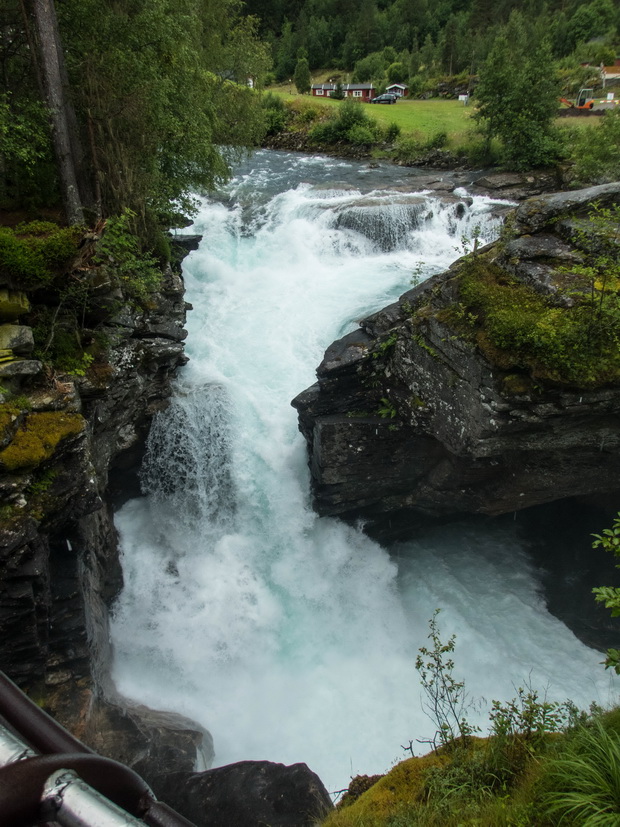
[[151, 742], [17, 338], [247, 794], [13, 303]]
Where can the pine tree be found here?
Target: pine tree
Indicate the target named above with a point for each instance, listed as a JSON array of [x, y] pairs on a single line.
[[302, 73]]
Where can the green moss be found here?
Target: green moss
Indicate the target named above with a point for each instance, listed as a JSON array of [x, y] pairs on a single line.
[[34, 253], [404, 784], [38, 437], [422, 343], [516, 384], [13, 303], [9, 420], [384, 346], [515, 327]]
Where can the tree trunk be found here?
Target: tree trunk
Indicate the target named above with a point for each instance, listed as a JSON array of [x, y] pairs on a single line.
[[51, 62]]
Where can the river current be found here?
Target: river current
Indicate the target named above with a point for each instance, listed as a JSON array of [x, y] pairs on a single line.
[[293, 638]]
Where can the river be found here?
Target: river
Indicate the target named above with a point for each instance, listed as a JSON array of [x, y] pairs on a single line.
[[291, 637]]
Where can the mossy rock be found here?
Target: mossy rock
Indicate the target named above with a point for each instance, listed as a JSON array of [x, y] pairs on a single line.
[[402, 785], [514, 326], [13, 303], [33, 254], [37, 439], [9, 422]]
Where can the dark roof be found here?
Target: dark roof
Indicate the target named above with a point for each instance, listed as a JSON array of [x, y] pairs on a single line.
[[350, 87]]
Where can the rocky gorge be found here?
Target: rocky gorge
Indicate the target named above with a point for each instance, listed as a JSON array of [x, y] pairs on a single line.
[[71, 445], [415, 417]]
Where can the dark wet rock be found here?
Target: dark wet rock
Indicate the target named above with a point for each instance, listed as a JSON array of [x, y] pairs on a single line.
[[540, 213], [411, 420], [151, 742], [247, 794], [59, 564], [20, 367]]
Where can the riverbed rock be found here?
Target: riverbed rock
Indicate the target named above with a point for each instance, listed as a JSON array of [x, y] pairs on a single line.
[[414, 416], [247, 794], [516, 186]]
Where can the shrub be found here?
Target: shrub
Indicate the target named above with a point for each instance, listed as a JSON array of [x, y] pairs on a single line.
[[446, 701], [351, 124], [120, 255], [360, 135], [392, 131], [410, 150], [34, 253], [275, 113], [596, 152]]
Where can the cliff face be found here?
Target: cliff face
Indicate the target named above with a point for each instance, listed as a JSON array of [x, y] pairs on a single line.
[[68, 445], [446, 402]]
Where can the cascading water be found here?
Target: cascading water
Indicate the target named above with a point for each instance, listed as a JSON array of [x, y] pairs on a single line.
[[292, 637]]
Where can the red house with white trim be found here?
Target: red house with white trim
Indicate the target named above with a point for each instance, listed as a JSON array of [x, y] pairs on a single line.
[[358, 91]]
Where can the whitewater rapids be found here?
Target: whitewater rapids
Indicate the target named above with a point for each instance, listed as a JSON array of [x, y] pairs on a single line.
[[291, 637]]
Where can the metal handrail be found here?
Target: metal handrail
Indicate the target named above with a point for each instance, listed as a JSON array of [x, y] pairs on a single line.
[[43, 787]]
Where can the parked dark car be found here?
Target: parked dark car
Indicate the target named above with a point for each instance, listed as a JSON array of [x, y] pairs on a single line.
[[386, 98]]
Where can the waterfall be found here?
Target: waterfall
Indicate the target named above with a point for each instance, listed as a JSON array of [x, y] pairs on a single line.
[[292, 637]]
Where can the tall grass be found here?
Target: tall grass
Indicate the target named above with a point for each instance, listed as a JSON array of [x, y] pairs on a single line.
[[585, 780]]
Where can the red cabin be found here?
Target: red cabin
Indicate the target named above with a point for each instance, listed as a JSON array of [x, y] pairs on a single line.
[[357, 91]]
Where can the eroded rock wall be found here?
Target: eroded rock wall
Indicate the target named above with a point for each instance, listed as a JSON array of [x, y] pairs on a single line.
[[63, 456], [412, 416]]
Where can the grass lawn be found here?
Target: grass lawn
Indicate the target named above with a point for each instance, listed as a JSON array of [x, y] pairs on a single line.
[[420, 118]]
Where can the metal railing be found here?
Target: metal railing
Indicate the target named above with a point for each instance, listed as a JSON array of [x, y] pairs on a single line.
[[48, 776]]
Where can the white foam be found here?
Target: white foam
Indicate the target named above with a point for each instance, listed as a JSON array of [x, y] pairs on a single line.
[[293, 638]]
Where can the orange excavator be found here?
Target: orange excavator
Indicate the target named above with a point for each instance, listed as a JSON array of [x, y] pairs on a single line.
[[584, 100]]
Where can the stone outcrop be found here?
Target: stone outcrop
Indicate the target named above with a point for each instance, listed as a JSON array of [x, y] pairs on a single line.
[[416, 415], [69, 444], [247, 794]]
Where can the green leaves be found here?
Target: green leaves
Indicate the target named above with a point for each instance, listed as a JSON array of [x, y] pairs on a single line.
[[518, 96], [609, 596], [162, 86], [120, 254], [446, 700]]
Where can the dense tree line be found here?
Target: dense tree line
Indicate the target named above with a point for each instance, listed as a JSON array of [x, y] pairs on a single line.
[[149, 92], [448, 37]]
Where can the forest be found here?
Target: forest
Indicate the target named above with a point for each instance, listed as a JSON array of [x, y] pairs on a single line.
[[448, 37], [157, 98], [145, 94]]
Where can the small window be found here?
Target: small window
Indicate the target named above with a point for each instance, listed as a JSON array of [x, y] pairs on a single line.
[[357, 93], [318, 91]]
